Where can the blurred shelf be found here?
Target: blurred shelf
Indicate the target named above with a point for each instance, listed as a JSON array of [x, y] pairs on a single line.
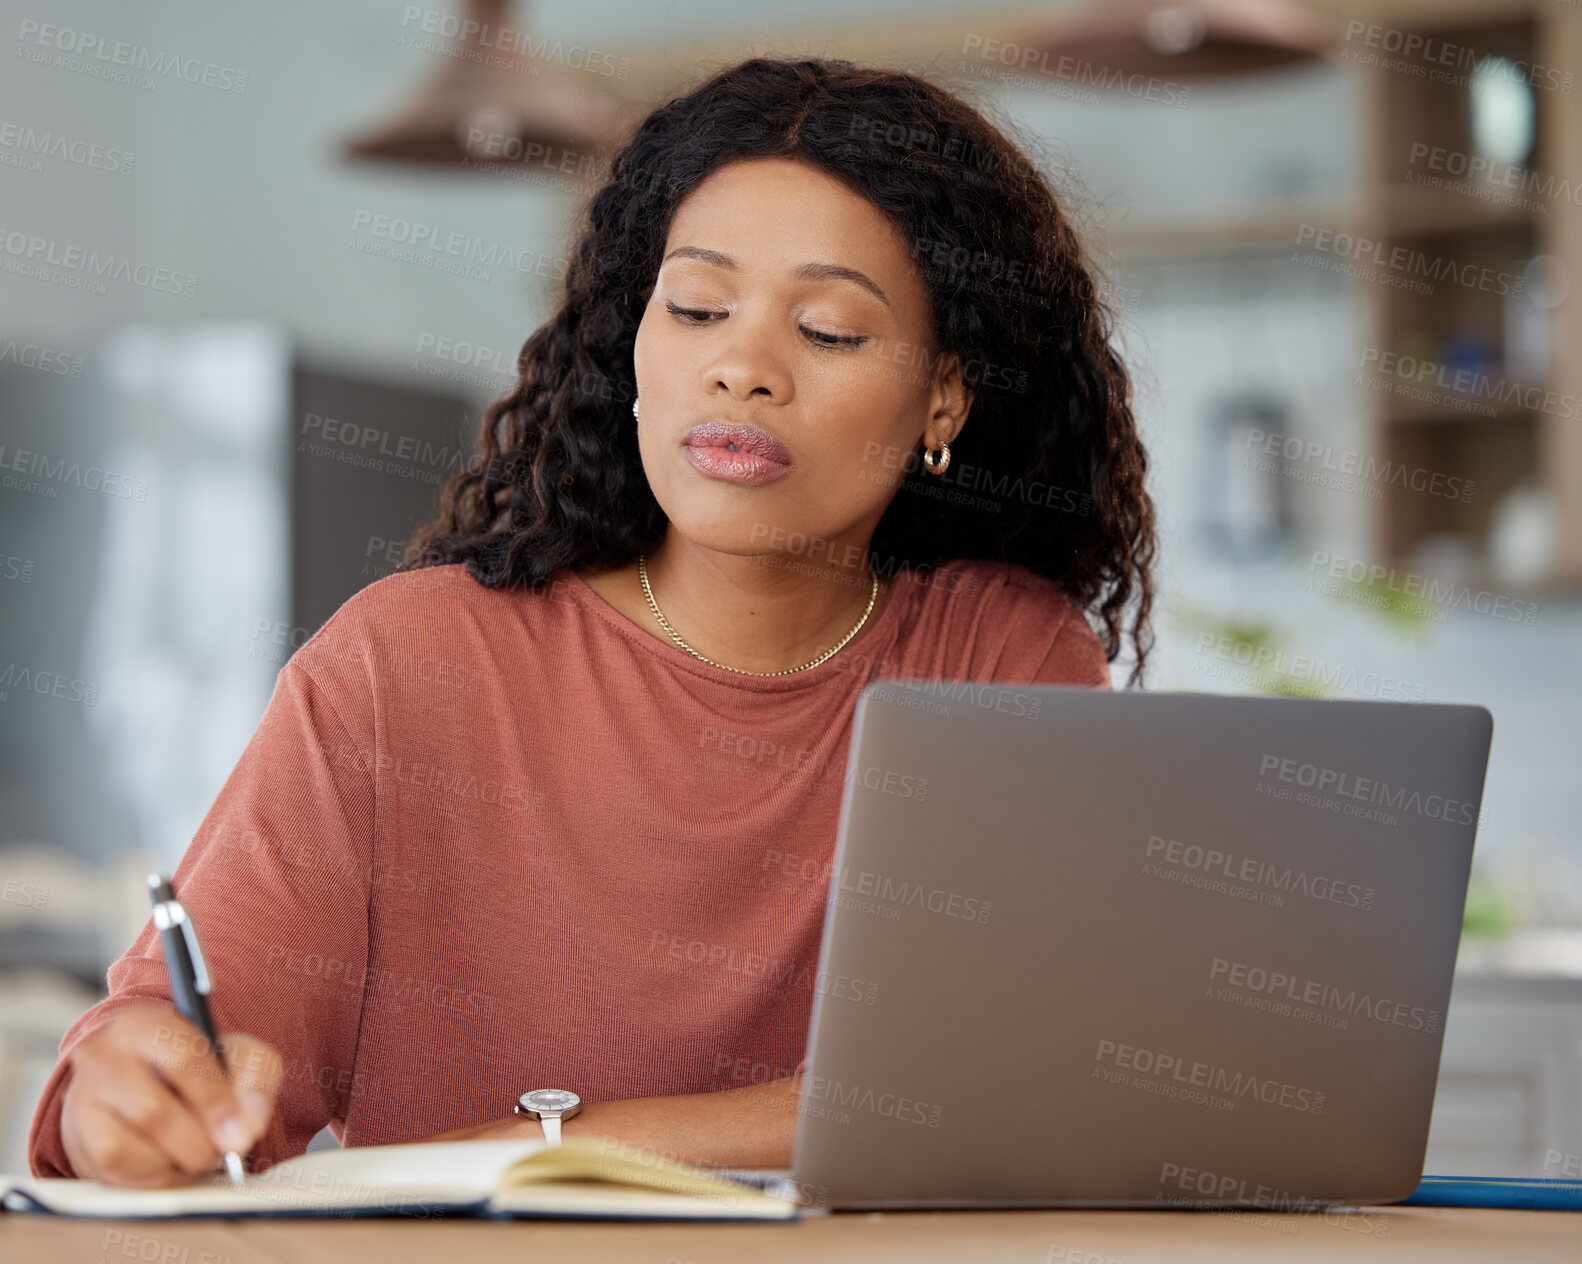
[[1416, 412], [1413, 209], [1469, 238]]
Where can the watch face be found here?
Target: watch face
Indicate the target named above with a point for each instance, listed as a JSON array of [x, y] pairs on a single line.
[[555, 1099]]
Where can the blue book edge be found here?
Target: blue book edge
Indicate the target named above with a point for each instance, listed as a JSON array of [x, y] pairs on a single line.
[[1518, 1192]]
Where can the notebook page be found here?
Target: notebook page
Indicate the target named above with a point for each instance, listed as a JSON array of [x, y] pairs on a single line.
[[395, 1178], [466, 1167], [587, 1161]]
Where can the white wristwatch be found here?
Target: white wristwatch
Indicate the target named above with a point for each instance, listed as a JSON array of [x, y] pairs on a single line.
[[549, 1106]]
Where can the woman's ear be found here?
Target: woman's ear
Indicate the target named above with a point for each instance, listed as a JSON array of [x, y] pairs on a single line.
[[949, 401]]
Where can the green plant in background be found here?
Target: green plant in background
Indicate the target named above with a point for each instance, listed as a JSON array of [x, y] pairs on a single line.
[[1252, 651], [1401, 611], [1488, 914]]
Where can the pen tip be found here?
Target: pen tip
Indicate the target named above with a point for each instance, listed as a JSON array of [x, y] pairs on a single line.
[[233, 1166]]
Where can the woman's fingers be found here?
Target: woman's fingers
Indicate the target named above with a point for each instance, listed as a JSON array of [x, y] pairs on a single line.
[[168, 1044], [148, 1103], [121, 1075], [104, 1147]]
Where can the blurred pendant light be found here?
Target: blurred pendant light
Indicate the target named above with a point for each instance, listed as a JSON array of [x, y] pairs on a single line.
[[493, 102], [1185, 39]]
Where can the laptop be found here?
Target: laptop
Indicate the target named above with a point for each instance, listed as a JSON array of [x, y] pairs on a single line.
[[1117, 949]]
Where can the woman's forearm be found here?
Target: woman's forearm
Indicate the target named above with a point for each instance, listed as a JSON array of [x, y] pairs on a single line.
[[753, 1126]]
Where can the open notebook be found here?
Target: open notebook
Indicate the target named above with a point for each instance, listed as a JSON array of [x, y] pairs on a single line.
[[483, 1178]]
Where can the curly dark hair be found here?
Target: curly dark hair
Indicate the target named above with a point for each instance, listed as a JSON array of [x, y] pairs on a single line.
[[559, 481]]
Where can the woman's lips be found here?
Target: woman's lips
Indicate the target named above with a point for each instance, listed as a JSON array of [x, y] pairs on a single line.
[[736, 453]]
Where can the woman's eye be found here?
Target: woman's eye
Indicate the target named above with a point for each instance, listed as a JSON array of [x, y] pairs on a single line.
[[833, 340], [691, 315]]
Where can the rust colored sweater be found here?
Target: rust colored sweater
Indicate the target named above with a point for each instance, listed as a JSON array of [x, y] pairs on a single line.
[[486, 841]]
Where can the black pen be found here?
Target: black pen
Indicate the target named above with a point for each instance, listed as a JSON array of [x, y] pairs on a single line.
[[189, 980]]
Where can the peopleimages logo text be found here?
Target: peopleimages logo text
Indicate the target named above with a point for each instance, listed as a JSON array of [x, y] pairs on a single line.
[[36, 252], [1170, 1067], [1248, 869], [1367, 789], [895, 1106], [1291, 987]]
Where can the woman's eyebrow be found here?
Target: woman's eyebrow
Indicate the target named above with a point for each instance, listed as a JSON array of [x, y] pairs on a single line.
[[812, 271]]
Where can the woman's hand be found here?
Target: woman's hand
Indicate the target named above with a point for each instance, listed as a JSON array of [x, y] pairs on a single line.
[[754, 1126], [147, 1105]]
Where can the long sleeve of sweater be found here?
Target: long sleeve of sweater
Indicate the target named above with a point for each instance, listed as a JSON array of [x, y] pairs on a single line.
[[282, 916]]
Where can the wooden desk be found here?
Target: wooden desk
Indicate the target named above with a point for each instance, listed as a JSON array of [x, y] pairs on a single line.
[[1428, 1234]]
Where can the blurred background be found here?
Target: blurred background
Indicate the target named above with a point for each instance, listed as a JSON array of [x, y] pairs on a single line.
[[263, 267]]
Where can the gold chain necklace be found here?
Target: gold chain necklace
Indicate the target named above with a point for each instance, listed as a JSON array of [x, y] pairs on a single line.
[[642, 573]]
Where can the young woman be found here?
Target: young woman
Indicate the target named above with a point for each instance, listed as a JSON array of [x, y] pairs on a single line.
[[829, 398]]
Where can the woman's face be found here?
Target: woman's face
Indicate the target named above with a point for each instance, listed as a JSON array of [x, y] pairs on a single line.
[[787, 303]]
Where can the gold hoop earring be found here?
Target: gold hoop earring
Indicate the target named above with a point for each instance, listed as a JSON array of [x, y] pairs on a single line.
[[939, 465], [634, 408]]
